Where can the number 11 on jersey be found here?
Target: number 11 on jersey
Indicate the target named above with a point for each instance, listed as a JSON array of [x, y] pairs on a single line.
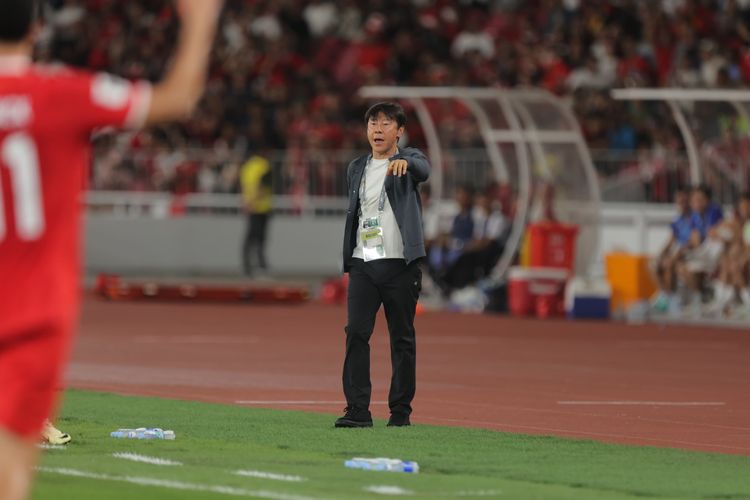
[[18, 154]]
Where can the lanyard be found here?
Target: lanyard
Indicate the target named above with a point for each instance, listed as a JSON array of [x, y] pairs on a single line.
[[363, 192]]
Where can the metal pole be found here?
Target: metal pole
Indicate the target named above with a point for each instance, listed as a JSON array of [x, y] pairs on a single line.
[[687, 135]]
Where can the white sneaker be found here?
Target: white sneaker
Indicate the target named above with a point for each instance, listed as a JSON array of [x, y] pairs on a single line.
[[52, 435], [660, 303], [714, 309], [741, 312]]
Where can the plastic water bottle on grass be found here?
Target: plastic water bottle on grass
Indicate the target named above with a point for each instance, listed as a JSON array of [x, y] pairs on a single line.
[[143, 433], [383, 464]]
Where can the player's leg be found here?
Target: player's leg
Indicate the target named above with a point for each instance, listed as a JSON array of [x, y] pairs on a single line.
[[17, 459], [363, 302], [30, 367], [400, 296]]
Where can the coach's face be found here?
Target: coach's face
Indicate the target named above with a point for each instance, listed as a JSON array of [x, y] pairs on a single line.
[[383, 134]]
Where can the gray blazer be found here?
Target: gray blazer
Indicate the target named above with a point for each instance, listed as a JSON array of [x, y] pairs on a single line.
[[402, 195]]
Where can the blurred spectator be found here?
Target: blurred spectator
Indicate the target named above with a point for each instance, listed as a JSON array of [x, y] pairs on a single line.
[[587, 76], [473, 38], [321, 17]]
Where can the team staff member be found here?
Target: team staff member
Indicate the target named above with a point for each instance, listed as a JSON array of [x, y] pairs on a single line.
[[255, 178], [383, 241]]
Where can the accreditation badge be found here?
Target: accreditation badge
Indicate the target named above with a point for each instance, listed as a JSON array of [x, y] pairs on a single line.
[[371, 236]]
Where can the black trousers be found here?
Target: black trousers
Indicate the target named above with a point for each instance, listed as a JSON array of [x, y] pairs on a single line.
[[255, 242], [396, 286], [472, 266]]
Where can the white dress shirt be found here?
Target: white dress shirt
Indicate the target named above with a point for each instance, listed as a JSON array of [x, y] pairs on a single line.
[[374, 179]]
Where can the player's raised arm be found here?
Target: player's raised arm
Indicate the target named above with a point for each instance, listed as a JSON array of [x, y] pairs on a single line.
[[178, 93]]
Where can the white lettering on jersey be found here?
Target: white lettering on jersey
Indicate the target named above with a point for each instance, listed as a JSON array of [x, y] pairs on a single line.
[[15, 111], [110, 92], [19, 154]]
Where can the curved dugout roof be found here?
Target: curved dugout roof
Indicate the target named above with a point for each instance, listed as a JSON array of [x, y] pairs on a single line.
[[694, 110], [531, 138]]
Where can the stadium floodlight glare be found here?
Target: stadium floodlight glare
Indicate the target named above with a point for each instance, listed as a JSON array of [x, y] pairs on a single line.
[[530, 136]]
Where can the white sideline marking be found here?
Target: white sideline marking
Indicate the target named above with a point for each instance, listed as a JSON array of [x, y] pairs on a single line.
[[174, 485], [643, 403], [47, 446], [134, 457], [479, 493], [287, 402], [295, 402], [387, 490], [194, 339], [269, 475]]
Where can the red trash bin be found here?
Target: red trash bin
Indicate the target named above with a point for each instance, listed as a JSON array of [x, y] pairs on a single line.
[[552, 245], [536, 291]]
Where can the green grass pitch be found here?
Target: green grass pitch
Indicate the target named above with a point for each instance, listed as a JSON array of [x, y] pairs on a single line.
[[214, 441]]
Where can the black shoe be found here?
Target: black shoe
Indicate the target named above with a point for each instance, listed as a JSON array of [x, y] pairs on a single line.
[[399, 420], [354, 417]]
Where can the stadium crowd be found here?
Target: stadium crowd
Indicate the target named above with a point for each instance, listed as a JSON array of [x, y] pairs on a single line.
[[285, 72]]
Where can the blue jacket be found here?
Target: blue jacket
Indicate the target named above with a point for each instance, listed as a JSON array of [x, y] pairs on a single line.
[[403, 196]]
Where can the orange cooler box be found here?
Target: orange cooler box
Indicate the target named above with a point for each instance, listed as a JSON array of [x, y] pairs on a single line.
[[630, 278]]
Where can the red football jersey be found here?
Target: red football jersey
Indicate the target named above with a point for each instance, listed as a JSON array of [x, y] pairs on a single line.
[[47, 115]]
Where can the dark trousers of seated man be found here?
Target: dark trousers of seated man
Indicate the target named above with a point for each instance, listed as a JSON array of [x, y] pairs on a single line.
[[395, 285], [472, 266]]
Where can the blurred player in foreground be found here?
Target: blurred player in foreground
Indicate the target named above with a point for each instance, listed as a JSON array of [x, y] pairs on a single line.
[[46, 118]]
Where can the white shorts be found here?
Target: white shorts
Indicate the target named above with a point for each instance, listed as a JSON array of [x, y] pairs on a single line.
[[705, 258]]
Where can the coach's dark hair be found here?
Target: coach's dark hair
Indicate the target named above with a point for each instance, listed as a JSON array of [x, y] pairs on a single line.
[[16, 19], [392, 110]]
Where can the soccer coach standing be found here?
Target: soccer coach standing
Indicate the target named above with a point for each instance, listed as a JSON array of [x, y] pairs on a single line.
[[383, 241]]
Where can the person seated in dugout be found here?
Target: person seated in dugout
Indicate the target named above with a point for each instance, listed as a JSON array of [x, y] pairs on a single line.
[[430, 216], [480, 253], [733, 274], [448, 247], [705, 246], [673, 251]]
